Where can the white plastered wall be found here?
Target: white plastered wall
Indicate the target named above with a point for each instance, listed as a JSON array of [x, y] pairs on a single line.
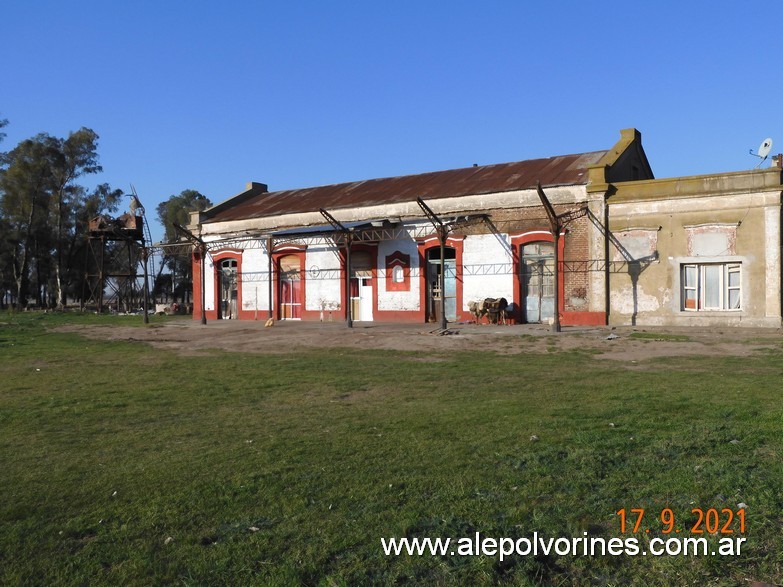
[[399, 301], [255, 280], [488, 268], [322, 282], [209, 284]]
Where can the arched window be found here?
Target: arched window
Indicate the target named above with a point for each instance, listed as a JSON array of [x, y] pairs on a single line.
[[398, 272]]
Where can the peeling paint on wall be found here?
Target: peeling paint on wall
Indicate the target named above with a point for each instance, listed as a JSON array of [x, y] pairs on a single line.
[[666, 295], [711, 240], [623, 301], [636, 243]]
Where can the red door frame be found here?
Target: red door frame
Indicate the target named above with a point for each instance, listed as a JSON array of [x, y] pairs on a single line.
[[217, 257], [372, 249], [195, 258], [457, 243], [534, 236], [300, 252]]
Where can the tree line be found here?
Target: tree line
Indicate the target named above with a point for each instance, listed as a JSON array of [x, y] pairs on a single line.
[[45, 212]]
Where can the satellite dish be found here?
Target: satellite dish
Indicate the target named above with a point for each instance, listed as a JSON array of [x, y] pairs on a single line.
[[765, 148], [763, 151]]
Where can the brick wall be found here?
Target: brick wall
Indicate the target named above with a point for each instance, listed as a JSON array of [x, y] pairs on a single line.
[[576, 276]]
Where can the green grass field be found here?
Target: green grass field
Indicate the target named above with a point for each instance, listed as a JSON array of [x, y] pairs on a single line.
[[121, 464]]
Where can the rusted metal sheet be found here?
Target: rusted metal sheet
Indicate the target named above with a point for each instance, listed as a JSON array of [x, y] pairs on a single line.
[[486, 179], [101, 223], [125, 226]]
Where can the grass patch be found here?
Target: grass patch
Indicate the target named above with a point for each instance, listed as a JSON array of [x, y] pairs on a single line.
[[123, 464], [660, 336]]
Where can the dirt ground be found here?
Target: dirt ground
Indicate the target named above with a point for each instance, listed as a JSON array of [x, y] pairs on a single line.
[[190, 337]]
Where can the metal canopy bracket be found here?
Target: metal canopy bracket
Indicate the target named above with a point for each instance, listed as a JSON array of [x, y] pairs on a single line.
[[347, 241], [443, 233], [557, 222]]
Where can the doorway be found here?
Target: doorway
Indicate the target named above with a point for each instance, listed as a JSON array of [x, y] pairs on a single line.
[[538, 281], [228, 282], [433, 284], [290, 288], [361, 286]]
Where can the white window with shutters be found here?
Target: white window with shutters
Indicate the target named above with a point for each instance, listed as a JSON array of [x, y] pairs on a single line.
[[711, 287]]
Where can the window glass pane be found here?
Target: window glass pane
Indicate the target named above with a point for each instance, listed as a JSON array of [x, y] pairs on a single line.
[[734, 299], [289, 263], [690, 299], [734, 277], [546, 249], [538, 249], [549, 278], [690, 276], [712, 274]]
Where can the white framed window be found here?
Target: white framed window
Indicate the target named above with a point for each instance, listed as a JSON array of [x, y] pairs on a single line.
[[398, 274], [711, 287]]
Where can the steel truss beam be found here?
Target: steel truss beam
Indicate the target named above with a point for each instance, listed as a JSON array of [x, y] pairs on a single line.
[[318, 274]]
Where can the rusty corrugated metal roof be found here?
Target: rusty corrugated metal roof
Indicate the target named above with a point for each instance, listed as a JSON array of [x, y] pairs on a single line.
[[485, 179]]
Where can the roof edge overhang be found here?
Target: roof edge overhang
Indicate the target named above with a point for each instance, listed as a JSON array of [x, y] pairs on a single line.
[[558, 194]]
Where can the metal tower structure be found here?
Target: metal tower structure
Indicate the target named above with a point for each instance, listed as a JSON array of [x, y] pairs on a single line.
[[116, 255]]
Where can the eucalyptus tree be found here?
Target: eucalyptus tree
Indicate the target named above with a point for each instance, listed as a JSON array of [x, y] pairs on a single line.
[[6, 276], [26, 182], [44, 211], [76, 156], [177, 209]]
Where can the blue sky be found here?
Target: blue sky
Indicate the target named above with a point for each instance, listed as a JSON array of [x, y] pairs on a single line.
[[208, 95]]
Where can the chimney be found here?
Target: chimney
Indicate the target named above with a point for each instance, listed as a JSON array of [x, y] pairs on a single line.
[[254, 185], [777, 161]]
